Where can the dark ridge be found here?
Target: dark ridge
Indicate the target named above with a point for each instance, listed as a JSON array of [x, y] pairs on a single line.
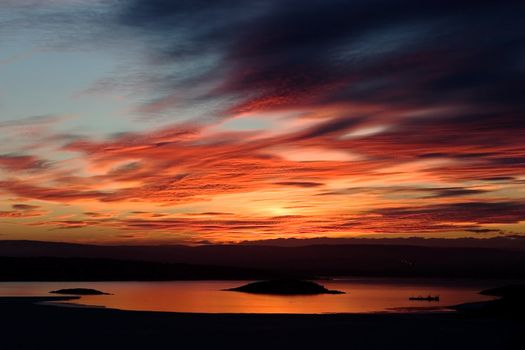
[[233, 261], [514, 242], [78, 291], [284, 287], [86, 269]]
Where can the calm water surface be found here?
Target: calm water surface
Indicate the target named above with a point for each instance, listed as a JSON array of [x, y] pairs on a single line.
[[363, 295]]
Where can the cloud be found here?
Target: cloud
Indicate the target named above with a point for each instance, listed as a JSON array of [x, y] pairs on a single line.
[[455, 192], [23, 211], [484, 230], [287, 53], [21, 162], [49, 194], [385, 117], [15, 214], [25, 207], [464, 212], [434, 219], [39, 121], [454, 66], [305, 184], [97, 215]]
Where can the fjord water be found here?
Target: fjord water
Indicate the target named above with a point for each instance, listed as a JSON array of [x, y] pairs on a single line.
[[362, 295]]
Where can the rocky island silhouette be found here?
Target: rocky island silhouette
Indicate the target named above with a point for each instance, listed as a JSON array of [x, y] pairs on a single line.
[[78, 291], [284, 287]]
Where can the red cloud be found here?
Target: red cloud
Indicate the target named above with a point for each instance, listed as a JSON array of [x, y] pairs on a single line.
[[18, 163]]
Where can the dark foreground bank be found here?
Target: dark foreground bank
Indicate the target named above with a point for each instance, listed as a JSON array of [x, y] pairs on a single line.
[[28, 325]]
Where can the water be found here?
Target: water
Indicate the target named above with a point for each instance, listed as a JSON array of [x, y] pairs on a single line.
[[363, 295]]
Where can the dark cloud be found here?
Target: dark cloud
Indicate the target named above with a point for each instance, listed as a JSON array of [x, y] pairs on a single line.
[[336, 125], [477, 212], [455, 192], [484, 230], [295, 52], [93, 214], [458, 64], [305, 184], [22, 211], [210, 213], [50, 194], [481, 144], [499, 178], [25, 207], [21, 162]]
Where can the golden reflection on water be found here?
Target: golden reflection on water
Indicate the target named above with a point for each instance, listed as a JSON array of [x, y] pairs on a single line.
[[362, 295]]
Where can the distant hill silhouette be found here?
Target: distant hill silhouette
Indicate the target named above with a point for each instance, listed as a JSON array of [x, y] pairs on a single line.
[[88, 269], [350, 259], [507, 242]]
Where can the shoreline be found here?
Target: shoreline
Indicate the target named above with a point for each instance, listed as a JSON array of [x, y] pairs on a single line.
[[35, 299], [29, 322]]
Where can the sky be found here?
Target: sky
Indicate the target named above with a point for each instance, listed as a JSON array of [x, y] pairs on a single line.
[[156, 121]]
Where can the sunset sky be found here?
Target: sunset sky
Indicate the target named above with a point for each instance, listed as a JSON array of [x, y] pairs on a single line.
[[155, 121]]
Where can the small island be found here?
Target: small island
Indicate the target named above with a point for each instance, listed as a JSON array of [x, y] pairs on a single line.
[[285, 287], [78, 291]]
